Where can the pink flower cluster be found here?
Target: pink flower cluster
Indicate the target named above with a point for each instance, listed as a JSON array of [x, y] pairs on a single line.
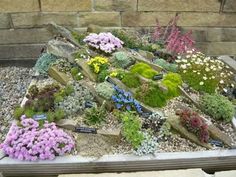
[[174, 40], [32, 142], [105, 42]]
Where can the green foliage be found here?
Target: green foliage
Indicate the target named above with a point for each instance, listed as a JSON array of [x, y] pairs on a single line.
[[29, 112], [43, 63], [203, 73], [166, 65], [131, 129], [62, 65], [62, 93], [217, 106], [105, 89], [131, 80], [102, 75], [131, 41], [122, 60], [79, 37], [18, 112], [76, 74], [172, 81], [144, 70], [151, 95], [95, 115]]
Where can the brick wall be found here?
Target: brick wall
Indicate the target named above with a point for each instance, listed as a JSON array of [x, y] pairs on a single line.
[[23, 33]]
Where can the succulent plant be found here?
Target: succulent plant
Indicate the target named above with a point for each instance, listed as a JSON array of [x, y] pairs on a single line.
[[166, 65], [154, 122], [63, 65], [122, 60], [105, 89]]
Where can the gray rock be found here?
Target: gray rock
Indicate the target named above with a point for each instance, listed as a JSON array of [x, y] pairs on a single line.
[[61, 49], [68, 124]]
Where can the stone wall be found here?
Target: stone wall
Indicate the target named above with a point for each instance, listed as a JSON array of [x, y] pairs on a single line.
[[23, 32]]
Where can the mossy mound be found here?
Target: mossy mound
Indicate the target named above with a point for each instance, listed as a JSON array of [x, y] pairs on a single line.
[[144, 70]]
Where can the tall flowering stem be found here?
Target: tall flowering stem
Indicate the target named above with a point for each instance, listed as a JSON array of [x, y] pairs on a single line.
[[31, 143], [174, 40]]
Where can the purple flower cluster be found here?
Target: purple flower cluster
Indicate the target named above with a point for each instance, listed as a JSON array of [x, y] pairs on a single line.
[[105, 42], [30, 142]]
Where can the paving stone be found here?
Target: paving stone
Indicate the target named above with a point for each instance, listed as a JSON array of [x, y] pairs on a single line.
[[167, 173], [226, 174]]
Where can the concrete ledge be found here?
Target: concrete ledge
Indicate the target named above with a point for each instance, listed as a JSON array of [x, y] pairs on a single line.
[[207, 160]]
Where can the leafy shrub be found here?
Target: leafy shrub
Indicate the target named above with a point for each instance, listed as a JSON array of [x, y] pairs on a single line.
[[172, 81], [124, 101], [105, 89], [194, 123], [122, 60], [166, 65], [131, 129], [76, 74], [204, 73], [217, 106], [144, 70], [171, 36], [151, 95], [104, 42], [43, 63], [95, 115], [102, 75], [131, 80], [98, 64], [35, 142]]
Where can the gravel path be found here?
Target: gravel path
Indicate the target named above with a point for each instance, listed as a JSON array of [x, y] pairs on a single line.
[[13, 83]]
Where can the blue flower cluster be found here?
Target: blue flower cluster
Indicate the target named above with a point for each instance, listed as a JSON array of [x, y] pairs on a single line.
[[124, 100]]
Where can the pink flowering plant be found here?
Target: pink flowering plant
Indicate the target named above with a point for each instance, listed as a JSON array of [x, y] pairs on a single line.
[[175, 41], [29, 142], [105, 42]]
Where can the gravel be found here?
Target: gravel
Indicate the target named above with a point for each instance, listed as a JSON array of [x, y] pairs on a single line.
[[14, 82]]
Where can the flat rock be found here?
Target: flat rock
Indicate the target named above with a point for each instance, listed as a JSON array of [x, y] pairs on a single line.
[[146, 54], [68, 124], [93, 144], [112, 134], [59, 30], [216, 133], [86, 70], [62, 49], [176, 124], [58, 76], [229, 61]]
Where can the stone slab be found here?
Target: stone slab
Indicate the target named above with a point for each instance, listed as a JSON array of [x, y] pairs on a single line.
[[18, 6], [179, 5], [20, 51], [24, 36], [4, 21], [197, 19], [115, 5], [230, 6], [60, 77], [229, 61], [231, 173], [167, 173], [66, 5], [28, 20], [100, 18]]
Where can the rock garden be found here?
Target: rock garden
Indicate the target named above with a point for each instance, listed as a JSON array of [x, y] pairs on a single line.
[[120, 92]]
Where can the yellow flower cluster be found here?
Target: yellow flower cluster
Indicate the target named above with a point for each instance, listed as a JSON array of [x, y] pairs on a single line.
[[113, 74], [97, 62]]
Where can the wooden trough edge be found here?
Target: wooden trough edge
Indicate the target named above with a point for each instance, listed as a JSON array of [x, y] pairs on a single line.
[[209, 161]]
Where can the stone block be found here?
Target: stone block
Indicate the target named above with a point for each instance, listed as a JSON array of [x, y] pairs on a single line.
[[230, 6], [68, 124], [221, 48], [30, 20], [60, 77], [221, 34], [138, 19], [179, 5], [99, 18], [4, 21], [112, 134], [24, 36], [66, 5], [19, 6], [231, 173], [25, 51], [115, 5]]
